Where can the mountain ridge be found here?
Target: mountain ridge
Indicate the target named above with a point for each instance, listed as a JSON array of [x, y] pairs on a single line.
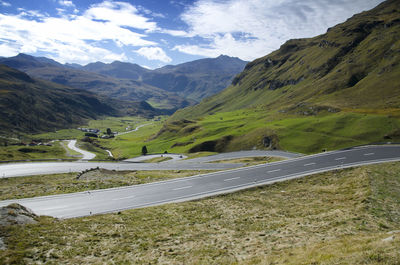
[[122, 89], [323, 68], [335, 90], [173, 86]]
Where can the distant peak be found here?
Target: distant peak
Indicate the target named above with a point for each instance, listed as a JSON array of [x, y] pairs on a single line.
[[23, 55]]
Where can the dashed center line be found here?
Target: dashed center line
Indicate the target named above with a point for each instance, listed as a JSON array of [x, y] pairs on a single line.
[[369, 154], [181, 188], [123, 198], [340, 158], [309, 164], [275, 170], [231, 179]]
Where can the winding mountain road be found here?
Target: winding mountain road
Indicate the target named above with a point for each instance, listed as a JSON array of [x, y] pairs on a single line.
[[195, 187], [86, 154]]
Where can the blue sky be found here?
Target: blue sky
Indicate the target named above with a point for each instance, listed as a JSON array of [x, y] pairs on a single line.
[[153, 33]]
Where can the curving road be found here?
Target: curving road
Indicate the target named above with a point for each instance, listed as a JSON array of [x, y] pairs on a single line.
[[195, 187], [43, 168], [86, 155]]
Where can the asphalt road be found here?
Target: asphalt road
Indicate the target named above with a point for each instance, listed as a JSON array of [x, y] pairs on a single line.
[[86, 154], [184, 189], [242, 154], [44, 168]]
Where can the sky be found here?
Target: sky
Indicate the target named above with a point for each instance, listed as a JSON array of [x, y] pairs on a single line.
[[154, 33]]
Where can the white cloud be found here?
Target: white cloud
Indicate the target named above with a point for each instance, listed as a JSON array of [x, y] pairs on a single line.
[[6, 4], [175, 33], [154, 53], [253, 28], [8, 51], [120, 14], [75, 38], [66, 3]]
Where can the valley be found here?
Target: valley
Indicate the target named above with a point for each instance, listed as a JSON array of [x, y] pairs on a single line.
[[291, 157]]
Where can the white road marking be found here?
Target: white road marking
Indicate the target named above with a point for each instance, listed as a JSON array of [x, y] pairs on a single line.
[[55, 207], [309, 164], [181, 188], [340, 158], [369, 154], [123, 198], [231, 179], [275, 170]]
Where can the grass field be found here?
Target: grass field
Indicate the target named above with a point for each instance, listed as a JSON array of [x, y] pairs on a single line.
[[116, 124], [349, 216], [12, 152], [130, 145], [299, 133]]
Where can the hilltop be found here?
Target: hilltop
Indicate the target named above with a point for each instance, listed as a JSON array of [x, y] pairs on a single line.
[[339, 89]]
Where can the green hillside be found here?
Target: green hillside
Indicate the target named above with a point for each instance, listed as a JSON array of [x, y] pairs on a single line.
[[30, 105], [339, 89]]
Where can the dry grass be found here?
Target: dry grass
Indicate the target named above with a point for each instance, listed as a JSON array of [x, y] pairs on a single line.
[[341, 217]]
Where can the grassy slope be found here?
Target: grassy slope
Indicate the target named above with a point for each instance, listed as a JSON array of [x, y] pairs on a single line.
[[339, 217], [130, 145], [55, 151], [31, 105], [338, 89], [306, 134]]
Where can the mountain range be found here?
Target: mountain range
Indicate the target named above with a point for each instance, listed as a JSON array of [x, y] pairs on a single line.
[[170, 87]]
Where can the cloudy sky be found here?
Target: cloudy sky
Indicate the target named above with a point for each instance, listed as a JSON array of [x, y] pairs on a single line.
[[154, 33]]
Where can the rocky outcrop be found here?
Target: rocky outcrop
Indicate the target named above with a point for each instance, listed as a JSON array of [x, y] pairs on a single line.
[[16, 214]]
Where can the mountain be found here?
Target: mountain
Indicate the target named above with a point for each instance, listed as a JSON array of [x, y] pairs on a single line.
[[170, 87], [339, 89], [32, 105], [122, 89], [117, 69], [192, 80], [25, 62], [197, 79]]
